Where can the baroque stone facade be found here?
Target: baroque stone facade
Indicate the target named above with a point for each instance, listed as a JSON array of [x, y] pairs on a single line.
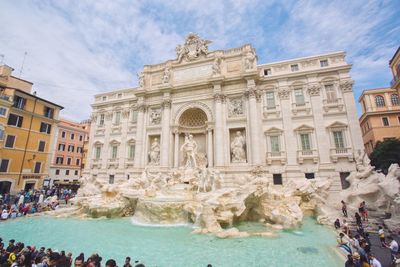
[[292, 119]]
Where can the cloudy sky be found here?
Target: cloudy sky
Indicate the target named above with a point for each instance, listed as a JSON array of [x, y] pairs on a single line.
[[76, 49]]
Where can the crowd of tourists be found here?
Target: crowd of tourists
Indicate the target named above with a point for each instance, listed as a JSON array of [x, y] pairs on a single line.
[[18, 255], [32, 201], [356, 242]]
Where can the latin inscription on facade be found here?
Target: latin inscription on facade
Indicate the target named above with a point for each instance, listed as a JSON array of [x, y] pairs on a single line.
[[193, 73]]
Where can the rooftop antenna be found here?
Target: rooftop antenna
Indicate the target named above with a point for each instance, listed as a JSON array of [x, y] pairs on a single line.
[[1, 59], [22, 66]]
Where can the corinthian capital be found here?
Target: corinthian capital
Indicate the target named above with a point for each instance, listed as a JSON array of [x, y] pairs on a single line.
[[283, 92], [252, 92], [314, 89], [142, 107], [166, 103], [219, 97], [346, 86]]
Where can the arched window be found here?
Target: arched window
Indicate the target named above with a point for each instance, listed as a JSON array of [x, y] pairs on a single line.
[[379, 101], [395, 99]]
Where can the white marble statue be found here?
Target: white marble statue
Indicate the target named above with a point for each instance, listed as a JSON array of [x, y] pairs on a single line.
[[166, 76], [216, 67], [41, 198], [238, 148], [141, 79], [250, 60], [154, 153], [192, 48], [189, 149]]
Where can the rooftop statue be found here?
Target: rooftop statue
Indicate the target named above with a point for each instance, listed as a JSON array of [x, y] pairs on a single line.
[[192, 48]]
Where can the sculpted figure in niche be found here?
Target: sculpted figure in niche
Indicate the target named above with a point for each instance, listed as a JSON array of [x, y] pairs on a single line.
[[235, 107], [250, 60], [189, 149], [166, 76], [237, 148], [216, 67], [155, 116], [154, 153], [141, 79]]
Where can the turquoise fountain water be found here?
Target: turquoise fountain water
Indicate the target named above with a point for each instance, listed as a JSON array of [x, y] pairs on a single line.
[[311, 245]]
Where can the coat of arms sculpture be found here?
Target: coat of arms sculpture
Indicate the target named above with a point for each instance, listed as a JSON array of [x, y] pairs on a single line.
[[192, 48]]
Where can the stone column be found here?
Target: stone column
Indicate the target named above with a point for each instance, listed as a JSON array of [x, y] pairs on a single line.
[[323, 144], [219, 129], [139, 136], [354, 125], [166, 106], [253, 96], [290, 137], [210, 151], [176, 149]]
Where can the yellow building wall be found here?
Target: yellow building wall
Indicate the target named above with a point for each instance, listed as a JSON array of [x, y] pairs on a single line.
[[33, 116]]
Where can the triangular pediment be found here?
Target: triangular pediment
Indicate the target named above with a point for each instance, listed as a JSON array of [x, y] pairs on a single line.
[[274, 130], [337, 124], [304, 127]]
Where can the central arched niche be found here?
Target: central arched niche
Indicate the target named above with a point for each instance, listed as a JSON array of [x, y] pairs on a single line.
[[193, 118], [193, 121]]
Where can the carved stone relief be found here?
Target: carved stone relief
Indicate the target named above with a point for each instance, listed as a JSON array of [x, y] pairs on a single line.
[[235, 108], [193, 47], [155, 116]]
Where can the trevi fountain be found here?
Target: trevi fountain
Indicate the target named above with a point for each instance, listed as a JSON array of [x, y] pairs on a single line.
[[184, 203]]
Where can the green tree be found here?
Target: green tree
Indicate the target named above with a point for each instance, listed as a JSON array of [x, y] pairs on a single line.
[[386, 153]]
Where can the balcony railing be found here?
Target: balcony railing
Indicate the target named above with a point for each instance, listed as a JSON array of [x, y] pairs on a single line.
[[276, 156], [307, 155], [341, 152]]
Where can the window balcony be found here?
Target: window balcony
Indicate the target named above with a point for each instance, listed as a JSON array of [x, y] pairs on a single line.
[[96, 163], [272, 111], [129, 162], [337, 153], [301, 109], [333, 103], [303, 155], [276, 156], [112, 163]]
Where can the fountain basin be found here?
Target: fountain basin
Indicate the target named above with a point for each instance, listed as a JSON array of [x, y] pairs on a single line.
[[176, 246]]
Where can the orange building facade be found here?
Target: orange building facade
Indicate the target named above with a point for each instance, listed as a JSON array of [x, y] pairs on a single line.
[[394, 64], [28, 125], [381, 116], [68, 159]]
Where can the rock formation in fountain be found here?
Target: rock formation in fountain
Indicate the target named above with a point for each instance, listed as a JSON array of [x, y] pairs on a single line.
[[198, 196], [380, 192]]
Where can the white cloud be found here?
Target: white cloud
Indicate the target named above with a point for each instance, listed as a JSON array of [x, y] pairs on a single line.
[[79, 48], [357, 27]]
